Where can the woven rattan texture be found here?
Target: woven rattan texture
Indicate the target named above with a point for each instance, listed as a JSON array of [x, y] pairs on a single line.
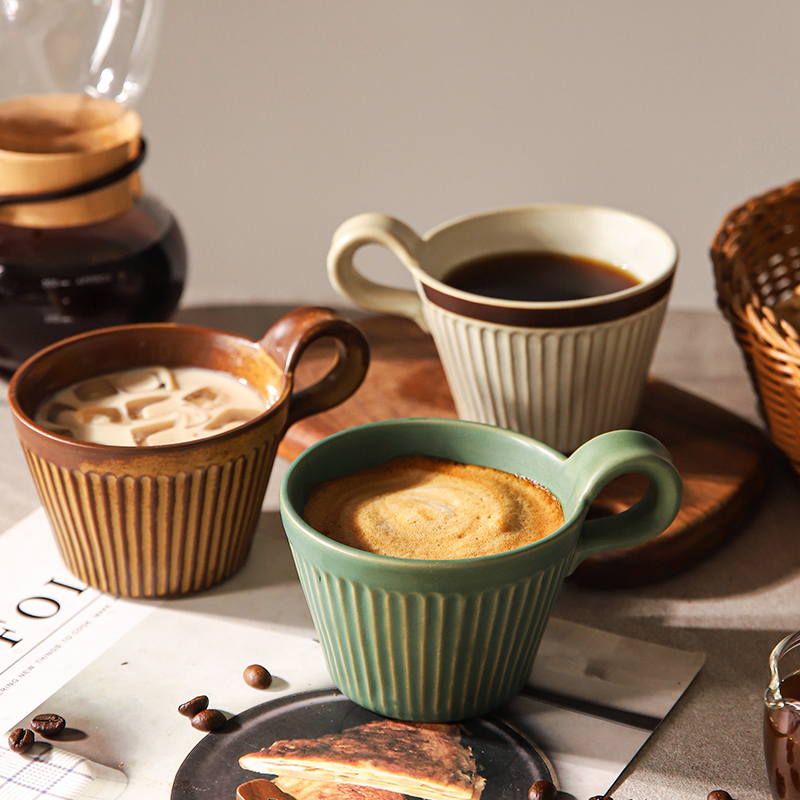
[[756, 257]]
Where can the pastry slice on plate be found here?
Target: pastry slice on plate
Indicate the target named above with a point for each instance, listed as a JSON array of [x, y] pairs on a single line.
[[303, 789], [300, 789], [419, 759]]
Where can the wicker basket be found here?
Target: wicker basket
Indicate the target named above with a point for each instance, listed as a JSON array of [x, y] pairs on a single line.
[[756, 256]]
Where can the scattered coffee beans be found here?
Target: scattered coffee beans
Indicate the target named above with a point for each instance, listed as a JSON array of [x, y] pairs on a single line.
[[194, 706], [208, 720], [719, 794], [257, 677], [542, 790], [48, 725], [20, 740]]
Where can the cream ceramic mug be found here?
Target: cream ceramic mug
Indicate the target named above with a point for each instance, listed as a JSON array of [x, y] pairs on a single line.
[[558, 371]]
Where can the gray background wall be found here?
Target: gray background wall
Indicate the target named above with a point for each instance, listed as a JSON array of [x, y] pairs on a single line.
[[270, 122]]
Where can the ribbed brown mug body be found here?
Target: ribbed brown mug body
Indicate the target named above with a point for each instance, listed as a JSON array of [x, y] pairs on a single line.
[[173, 519]]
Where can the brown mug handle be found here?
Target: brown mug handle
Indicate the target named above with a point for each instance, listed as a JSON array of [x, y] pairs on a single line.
[[286, 342]]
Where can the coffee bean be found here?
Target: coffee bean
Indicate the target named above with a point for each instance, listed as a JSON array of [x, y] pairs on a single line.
[[542, 790], [194, 706], [208, 720], [48, 725], [719, 794], [20, 740], [257, 677]]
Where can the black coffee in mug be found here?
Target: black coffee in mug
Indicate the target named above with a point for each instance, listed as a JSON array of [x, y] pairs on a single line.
[[539, 277]]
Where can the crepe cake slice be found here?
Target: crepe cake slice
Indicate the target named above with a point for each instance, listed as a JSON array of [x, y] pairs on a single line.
[[303, 789], [419, 759], [261, 789], [300, 789]]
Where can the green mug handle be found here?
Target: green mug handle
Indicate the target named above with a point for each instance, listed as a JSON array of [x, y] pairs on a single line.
[[609, 456]]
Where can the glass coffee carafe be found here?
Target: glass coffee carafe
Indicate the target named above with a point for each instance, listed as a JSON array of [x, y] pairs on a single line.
[[82, 246]]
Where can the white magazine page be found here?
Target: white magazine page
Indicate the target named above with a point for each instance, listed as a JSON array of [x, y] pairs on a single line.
[[593, 699], [51, 625]]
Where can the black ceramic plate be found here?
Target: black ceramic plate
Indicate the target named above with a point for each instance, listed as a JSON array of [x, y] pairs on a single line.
[[508, 761]]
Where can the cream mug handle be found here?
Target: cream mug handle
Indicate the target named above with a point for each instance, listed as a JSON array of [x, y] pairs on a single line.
[[350, 283]]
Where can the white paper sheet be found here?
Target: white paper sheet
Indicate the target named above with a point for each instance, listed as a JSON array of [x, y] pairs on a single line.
[[56, 774], [591, 704], [51, 625]]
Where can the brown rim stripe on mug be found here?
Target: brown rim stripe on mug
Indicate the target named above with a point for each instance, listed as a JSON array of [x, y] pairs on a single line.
[[547, 316]]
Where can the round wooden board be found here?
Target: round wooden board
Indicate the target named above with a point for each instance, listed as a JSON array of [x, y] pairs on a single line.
[[723, 460]]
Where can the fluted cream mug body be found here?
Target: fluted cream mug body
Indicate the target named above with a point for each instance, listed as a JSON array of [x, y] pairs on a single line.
[[445, 639], [561, 371]]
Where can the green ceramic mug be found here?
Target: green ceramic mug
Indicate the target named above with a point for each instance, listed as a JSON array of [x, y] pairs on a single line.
[[445, 640]]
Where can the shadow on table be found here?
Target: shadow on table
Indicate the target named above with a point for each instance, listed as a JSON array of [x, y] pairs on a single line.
[[715, 729], [252, 321], [764, 554], [749, 586], [266, 591]]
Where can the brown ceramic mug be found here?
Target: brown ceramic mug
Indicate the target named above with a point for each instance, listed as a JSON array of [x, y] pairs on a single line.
[[172, 519]]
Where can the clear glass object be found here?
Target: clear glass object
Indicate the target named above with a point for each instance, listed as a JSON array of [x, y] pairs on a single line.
[[57, 282], [102, 48], [782, 720], [70, 72]]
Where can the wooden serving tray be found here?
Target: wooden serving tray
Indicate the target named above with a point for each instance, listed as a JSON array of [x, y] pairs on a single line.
[[723, 460]]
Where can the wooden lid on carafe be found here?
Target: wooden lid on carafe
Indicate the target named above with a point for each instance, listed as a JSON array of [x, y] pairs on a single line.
[[52, 142]]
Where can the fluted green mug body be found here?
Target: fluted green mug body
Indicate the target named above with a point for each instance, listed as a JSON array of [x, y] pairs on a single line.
[[442, 640]]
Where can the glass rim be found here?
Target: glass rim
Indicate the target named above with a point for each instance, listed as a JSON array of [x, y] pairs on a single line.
[[773, 697]]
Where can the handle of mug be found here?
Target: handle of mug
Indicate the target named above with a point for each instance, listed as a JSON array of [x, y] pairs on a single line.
[[286, 342], [609, 456], [350, 283]]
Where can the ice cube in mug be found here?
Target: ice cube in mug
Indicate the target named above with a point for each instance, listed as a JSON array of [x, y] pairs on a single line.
[[205, 397], [135, 408], [94, 415], [94, 389], [231, 416], [194, 417], [150, 379], [143, 432], [55, 410]]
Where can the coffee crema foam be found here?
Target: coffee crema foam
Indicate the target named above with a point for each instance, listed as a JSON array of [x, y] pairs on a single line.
[[430, 508], [151, 406]]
